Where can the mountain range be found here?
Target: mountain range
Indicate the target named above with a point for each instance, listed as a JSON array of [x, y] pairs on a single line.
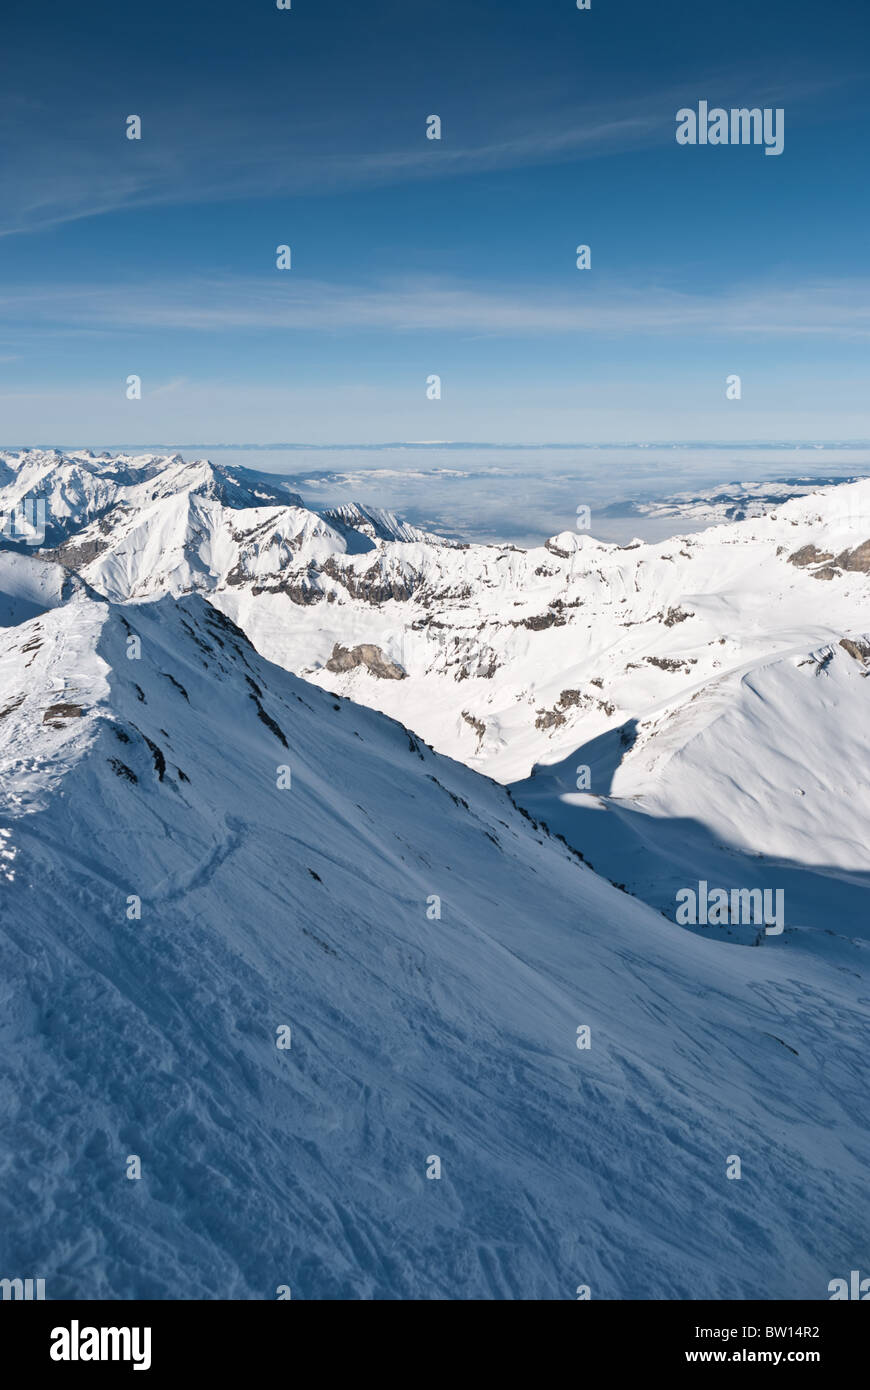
[[338, 872]]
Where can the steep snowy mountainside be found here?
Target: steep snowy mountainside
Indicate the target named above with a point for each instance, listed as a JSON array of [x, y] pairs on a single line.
[[167, 905], [796, 728], [515, 657], [377, 524], [78, 487], [758, 778], [28, 586], [508, 657]]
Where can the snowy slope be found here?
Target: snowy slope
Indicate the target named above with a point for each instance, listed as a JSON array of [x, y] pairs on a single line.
[[758, 779], [151, 771], [551, 658], [78, 487], [509, 657], [28, 587]]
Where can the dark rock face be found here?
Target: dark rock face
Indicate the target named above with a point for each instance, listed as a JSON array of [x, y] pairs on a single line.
[[377, 585], [569, 699], [669, 663], [676, 615], [860, 649], [56, 714], [554, 550], [478, 725], [549, 719], [539, 623], [809, 555], [857, 560], [368, 655], [13, 705], [302, 590], [75, 557]]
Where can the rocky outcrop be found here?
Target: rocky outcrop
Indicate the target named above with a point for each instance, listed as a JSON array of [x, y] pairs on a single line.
[[478, 725], [55, 715], [859, 649], [376, 662], [75, 557], [377, 585], [809, 555], [855, 561], [540, 622], [669, 663], [676, 615]]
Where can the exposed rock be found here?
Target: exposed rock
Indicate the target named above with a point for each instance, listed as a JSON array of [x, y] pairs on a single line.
[[56, 714], [178, 686], [375, 586], [270, 723], [157, 755], [676, 615], [668, 663], [857, 560], [569, 699], [809, 555], [549, 719], [368, 655], [122, 770], [860, 650], [74, 556], [554, 550], [301, 586], [478, 725], [540, 621], [13, 705]]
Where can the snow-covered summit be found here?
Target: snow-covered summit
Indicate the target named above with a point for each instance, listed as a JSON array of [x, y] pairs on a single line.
[[79, 487]]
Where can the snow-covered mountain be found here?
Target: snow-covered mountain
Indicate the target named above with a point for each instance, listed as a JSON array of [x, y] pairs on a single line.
[[756, 778], [534, 666], [77, 486], [575, 654], [199, 851], [507, 656], [734, 501]]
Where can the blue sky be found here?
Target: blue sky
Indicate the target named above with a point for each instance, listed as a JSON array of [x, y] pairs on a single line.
[[411, 257]]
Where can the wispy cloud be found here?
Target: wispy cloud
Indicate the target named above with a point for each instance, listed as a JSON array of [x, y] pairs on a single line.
[[50, 189], [55, 171], [219, 305]]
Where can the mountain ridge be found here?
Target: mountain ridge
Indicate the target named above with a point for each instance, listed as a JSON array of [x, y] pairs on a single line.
[[152, 778]]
